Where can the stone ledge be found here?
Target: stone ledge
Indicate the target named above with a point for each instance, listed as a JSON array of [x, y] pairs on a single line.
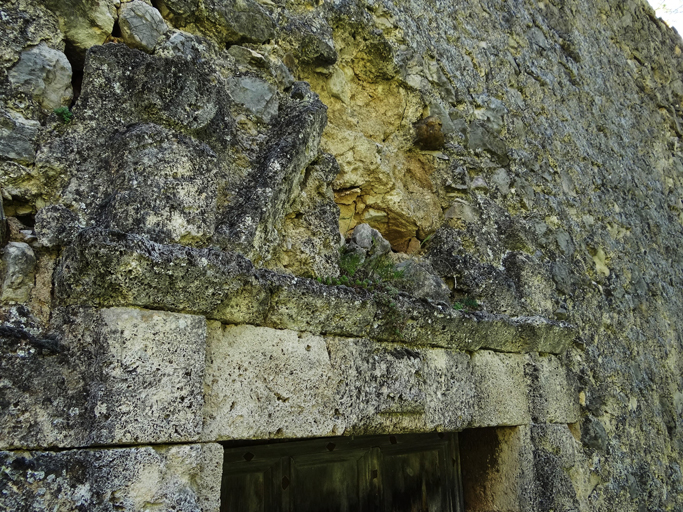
[[108, 268], [185, 478]]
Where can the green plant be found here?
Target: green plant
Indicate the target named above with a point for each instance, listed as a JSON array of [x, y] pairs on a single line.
[[468, 303], [349, 263], [64, 114]]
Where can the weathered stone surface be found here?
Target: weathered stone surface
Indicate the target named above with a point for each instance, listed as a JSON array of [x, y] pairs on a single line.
[[227, 21], [45, 74], [258, 96], [554, 459], [141, 25], [310, 234], [264, 383], [449, 388], [56, 226], [18, 137], [19, 263], [112, 376], [84, 23], [97, 269], [183, 477], [500, 469], [501, 390], [421, 281], [272, 383], [553, 397]]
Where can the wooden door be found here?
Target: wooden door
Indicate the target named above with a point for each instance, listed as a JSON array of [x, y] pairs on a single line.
[[404, 473]]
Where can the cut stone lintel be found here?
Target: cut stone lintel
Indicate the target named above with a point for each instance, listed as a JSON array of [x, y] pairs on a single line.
[[107, 268], [185, 478], [267, 383], [110, 376]]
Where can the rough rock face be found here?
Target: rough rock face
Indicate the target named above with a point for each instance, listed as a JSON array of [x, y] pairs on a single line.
[[202, 159]]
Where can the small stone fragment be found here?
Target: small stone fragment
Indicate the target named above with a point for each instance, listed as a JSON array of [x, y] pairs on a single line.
[[246, 56], [478, 183], [481, 138], [428, 134], [419, 280], [371, 240], [19, 262], [46, 74], [18, 137], [141, 25], [256, 95]]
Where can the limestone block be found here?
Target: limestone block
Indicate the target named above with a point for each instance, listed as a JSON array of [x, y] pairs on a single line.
[[184, 478], [380, 388], [19, 268], [18, 137], [111, 376], [555, 454], [552, 397], [264, 383], [257, 95], [226, 287], [141, 25], [500, 389], [449, 389], [45, 74]]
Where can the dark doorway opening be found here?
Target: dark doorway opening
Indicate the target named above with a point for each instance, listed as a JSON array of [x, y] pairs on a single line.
[[401, 473]]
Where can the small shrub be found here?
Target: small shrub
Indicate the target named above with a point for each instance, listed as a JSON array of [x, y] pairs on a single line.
[[64, 114]]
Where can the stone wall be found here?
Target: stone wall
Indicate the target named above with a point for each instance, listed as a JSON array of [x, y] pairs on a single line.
[[188, 193]]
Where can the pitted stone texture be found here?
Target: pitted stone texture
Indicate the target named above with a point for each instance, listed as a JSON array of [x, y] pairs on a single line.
[[18, 137], [163, 185], [264, 383], [19, 263], [226, 21], [56, 225], [381, 390], [112, 376], [45, 74], [553, 397], [268, 383], [555, 455], [500, 389], [141, 25], [185, 478], [449, 389]]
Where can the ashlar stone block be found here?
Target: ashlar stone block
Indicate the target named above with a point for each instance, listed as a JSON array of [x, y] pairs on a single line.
[[111, 376], [184, 478]]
